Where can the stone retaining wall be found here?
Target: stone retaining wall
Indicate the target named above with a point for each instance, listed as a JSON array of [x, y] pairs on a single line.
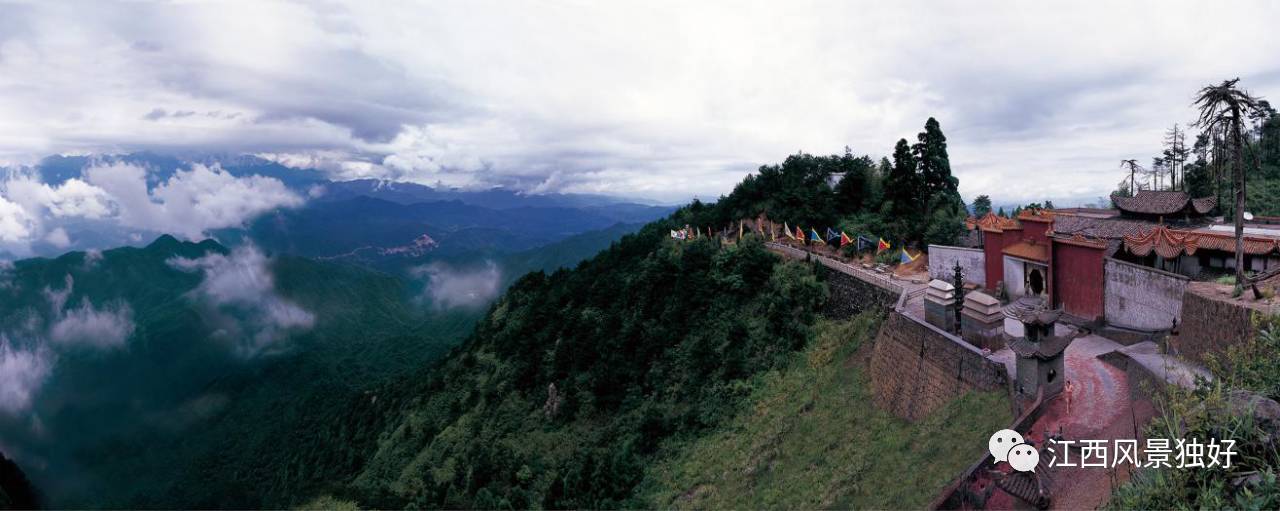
[[917, 368], [850, 296], [1209, 326]]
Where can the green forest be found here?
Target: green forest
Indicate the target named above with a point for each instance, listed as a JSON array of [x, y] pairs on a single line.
[[579, 382]]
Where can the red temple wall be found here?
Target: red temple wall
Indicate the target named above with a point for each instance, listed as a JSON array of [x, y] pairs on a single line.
[[992, 252], [1078, 279], [1035, 231]]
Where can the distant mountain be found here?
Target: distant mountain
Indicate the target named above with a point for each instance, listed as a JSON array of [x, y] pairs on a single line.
[[366, 221], [380, 232], [495, 198]]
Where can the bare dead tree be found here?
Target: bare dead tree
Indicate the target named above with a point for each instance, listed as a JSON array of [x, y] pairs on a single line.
[[1224, 107]]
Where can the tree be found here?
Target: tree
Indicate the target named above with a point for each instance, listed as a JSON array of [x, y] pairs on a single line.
[[931, 155], [902, 192], [1001, 212], [1223, 106], [854, 191], [1134, 170], [981, 205], [1175, 155]]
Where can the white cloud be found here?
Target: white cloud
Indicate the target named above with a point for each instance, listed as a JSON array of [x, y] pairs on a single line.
[[74, 198], [58, 237], [191, 202], [87, 325], [22, 373], [115, 194], [663, 99], [16, 225], [240, 291], [449, 287]]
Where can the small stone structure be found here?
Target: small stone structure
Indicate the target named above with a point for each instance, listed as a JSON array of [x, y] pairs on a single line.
[[1040, 363], [982, 321], [940, 305]]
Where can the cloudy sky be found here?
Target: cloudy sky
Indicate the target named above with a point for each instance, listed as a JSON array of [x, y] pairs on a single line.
[[665, 100]]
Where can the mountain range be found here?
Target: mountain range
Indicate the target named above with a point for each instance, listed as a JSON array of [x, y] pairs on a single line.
[[213, 373]]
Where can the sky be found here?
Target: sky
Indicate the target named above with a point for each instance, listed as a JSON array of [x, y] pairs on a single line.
[[654, 99]]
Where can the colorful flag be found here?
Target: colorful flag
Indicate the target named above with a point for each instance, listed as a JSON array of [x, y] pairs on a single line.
[[906, 257], [832, 234], [787, 230], [882, 246], [799, 233], [740, 224], [844, 239], [813, 236]]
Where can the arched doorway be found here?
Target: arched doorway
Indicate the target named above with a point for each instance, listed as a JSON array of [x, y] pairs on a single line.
[[1035, 282]]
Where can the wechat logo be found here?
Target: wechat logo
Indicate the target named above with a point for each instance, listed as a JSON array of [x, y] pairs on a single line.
[[1008, 445]]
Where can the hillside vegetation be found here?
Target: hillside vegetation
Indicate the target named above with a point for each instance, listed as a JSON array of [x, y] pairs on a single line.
[[564, 392], [809, 437]]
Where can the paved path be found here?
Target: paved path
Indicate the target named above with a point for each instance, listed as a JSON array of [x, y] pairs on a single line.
[[914, 287]]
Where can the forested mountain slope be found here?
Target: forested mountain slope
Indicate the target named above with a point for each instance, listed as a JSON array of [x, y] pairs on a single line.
[[567, 388]]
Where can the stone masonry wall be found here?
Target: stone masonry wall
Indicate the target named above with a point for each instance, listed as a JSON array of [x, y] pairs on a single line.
[[1210, 326], [1141, 298], [850, 296], [916, 368], [943, 259]]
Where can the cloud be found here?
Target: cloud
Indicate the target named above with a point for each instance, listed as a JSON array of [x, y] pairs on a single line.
[[114, 195], [86, 325], [239, 291], [16, 224], [627, 98], [191, 202], [58, 238], [449, 287], [22, 373]]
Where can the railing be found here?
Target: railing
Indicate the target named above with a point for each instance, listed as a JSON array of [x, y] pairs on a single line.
[[884, 281]]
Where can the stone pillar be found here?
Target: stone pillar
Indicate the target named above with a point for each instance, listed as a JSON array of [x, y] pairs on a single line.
[[940, 305], [982, 321]]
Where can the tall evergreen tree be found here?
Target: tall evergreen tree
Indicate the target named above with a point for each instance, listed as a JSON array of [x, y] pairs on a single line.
[[930, 152], [981, 205], [903, 193]]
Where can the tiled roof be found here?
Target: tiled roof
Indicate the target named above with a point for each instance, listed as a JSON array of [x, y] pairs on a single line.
[[1036, 215], [1105, 228], [991, 222], [1165, 242], [1078, 239], [1047, 349], [1253, 245], [1029, 251], [1152, 202], [1169, 243]]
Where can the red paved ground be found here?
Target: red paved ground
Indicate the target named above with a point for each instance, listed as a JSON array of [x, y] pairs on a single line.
[[1101, 409]]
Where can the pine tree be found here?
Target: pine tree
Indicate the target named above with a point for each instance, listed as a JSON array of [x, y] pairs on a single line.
[[931, 155], [981, 205], [902, 192]]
